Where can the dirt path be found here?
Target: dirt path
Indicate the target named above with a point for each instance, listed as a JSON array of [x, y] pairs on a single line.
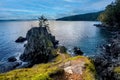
[[73, 69]]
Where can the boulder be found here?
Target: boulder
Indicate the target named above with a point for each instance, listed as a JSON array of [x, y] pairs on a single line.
[[77, 51], [12, 59], [5, 67], [20, 39]]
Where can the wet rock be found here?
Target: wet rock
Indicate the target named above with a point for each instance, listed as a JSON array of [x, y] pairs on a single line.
[[5, 67], [108, 60], [25, 65], [12, 59], [100, 25], [20, 39], [77, 51]]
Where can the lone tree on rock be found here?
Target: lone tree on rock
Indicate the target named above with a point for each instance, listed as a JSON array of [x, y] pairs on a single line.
[[43, 22]]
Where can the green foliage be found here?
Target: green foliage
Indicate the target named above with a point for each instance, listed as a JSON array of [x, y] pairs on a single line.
[[117, 70], [42, 77], [38, 72], [111, 15], [44, 71], [62, 49]]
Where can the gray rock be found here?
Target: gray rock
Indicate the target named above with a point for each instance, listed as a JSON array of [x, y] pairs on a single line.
[[62, 49], [5, 67], [12, 59], [77, 51], [40, 44], [20, 39], [108, 60]]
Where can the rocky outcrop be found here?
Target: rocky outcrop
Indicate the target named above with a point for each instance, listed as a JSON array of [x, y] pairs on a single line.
[[20, 39], [100, 25], [108, 60], [107, 27], [5, 67], [77, 51], [62, 49], [76, 68], [12, 59], [40, 44]]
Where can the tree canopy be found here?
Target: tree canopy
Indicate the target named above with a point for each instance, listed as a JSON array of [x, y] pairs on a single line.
[[111, 15]]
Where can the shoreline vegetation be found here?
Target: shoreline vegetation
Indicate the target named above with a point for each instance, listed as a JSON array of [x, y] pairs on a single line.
[[108, 63], [110, 17]]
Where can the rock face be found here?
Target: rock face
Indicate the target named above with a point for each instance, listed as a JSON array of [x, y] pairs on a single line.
[[20, 39], [5, 67], [62, 49], [40, 44], [108, 60]]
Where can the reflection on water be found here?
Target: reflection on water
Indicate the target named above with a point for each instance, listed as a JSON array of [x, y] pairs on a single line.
[[82, 34], [70, 34]]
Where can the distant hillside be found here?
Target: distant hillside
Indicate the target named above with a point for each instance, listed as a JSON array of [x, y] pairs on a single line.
[[82, 17]]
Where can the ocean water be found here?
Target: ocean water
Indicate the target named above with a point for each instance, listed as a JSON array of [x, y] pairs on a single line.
[[69, 33]]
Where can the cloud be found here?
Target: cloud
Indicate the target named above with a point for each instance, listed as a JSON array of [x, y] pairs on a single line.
[[16, 10], [50, 8]]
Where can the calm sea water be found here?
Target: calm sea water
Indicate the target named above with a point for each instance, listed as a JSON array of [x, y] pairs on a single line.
[[80, 33]]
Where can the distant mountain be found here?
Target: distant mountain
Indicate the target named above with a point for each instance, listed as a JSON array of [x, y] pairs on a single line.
[[82, 17]]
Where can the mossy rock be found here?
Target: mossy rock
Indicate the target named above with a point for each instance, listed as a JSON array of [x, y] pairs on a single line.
[[45, 70], [62, 49], [37, 72], [117, 72]]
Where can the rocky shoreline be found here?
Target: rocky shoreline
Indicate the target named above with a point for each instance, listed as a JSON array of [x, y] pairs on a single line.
[[38, 49], [107, 27], [109, 59]]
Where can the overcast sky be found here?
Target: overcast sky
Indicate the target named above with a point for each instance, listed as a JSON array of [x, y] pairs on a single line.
[[25, 9]]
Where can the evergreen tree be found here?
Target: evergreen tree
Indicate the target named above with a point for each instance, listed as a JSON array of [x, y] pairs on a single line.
[[43, 22], [111, 15]]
